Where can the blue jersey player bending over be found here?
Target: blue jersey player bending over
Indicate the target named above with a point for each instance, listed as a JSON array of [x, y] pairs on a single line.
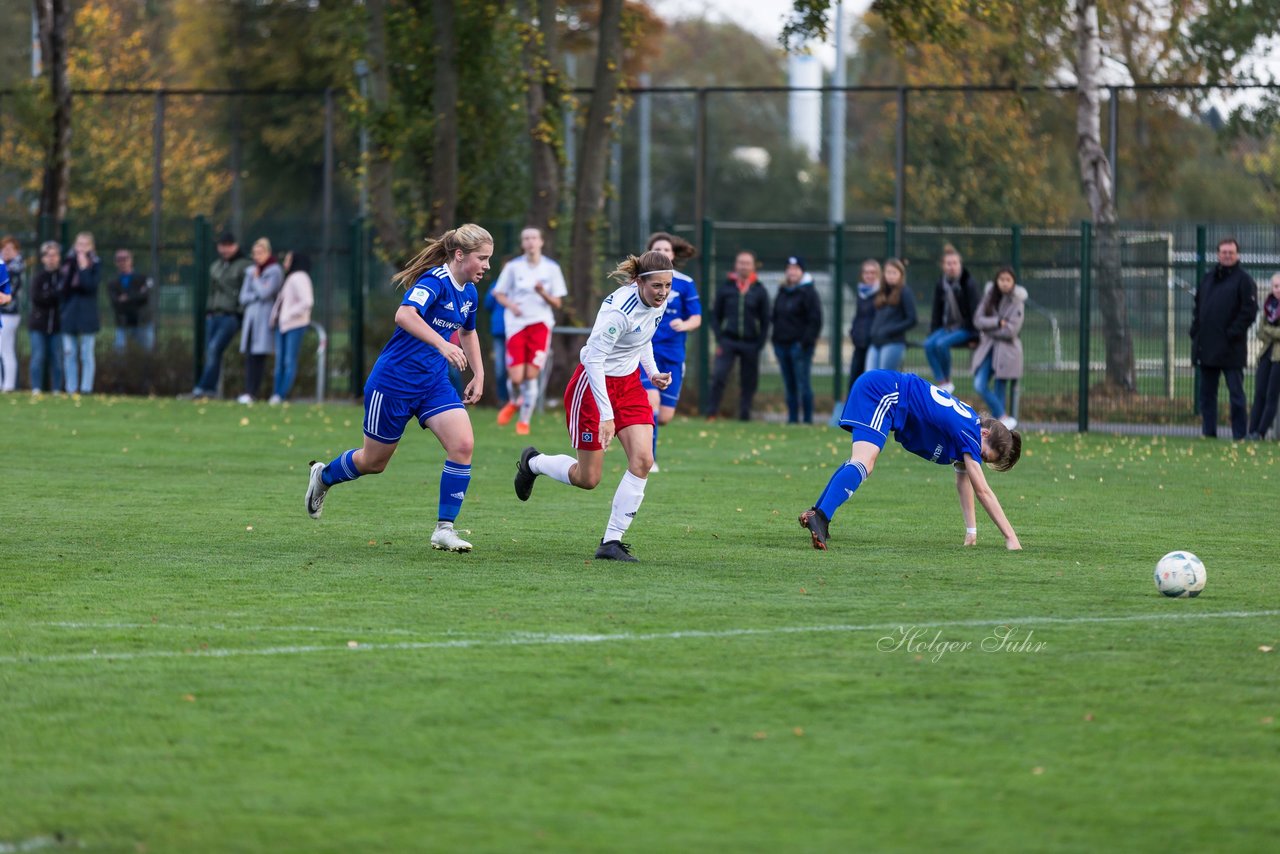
[[411, 377], [929, 423]]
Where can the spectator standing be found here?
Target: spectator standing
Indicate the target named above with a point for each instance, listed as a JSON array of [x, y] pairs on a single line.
[[43, 322], [1226, 302], [262, 281], [797, 323], [222, 311], [498, 330], [742, 326], [1266, 384], [290, 317], [130, 295], [10, 316], [895, 316], [954, 299], [530, 288], [860, 330], [78, 314], [999, 354]]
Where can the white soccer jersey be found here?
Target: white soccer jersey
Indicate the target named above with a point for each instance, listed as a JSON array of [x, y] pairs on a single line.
[[517, 281], [620, 341]]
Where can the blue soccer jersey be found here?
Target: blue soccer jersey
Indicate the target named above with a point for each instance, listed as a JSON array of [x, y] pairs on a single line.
[[407, 365], [682, 303], [924, 419], [6, 287]]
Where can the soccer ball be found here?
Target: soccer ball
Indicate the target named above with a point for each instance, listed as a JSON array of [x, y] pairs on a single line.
[[1180, 575]]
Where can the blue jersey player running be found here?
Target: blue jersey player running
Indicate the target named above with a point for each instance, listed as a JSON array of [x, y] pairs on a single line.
[[411, 377], [683, 315], [929, 423]]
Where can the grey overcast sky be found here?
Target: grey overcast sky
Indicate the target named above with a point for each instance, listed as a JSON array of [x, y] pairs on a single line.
[[762, 17]]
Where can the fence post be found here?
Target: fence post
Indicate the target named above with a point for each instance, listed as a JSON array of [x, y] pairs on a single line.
[[1202, 246], [1086, 281], [1015, 250], [199, 293], [355, 297], [891, 238], [707, 250], [900, 173], [837, 314]]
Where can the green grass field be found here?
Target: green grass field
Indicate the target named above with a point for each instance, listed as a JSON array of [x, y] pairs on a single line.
[[189, 663]]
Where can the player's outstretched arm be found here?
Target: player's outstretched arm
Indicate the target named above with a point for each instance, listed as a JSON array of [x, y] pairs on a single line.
[[989, 502], [965, 490]]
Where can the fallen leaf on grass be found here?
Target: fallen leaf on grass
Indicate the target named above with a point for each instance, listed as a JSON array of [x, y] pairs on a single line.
[[760, 735], [1265, 648], [190, 698]]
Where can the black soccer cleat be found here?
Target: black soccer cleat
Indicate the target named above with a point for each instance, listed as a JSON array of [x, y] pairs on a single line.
[[817, 524], [525, 476], [616, 550]]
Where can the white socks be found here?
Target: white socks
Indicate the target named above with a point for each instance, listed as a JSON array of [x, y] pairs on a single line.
[[556, 467], [528, 397], [626, 503], [513, 394]]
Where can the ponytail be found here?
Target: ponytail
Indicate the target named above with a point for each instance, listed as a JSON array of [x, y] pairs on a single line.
[[469, 238], [633, 268]]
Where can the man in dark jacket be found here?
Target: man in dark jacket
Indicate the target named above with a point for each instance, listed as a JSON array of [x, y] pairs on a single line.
[[797, 322], [955, 298], [222, 311], [742, 326], [130, 295], [864, 314], [1226, 303]]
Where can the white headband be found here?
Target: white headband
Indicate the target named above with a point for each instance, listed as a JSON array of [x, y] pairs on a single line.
[[651, 273]]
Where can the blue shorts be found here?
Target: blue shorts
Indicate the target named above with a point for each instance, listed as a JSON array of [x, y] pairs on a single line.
[[872, 409], [385, 416], [670, 395]]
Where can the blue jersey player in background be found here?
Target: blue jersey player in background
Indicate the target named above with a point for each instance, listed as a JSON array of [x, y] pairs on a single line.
[[929, 423], [411, 377], [683, 315]]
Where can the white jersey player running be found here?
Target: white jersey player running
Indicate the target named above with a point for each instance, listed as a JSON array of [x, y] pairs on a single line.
[[605, 398]]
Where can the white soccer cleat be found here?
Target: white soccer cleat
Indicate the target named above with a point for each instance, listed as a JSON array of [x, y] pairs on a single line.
[[1009, 421], [654, 468], [316, 490], [949, 388], [447, 539]]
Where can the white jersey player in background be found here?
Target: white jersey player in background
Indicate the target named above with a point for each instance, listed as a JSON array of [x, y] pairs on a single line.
[[605, 398], [528, 289]]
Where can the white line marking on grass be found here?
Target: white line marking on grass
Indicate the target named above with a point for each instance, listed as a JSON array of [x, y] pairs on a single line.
[[36, 843], [537, 639], [223, 627]]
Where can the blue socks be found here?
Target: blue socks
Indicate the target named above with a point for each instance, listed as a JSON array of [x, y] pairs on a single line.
[[341, 469], [655, 436], [453, 488], [843, 484]]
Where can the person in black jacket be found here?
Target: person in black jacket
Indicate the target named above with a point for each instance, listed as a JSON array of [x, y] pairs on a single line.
[[42, 322], [895, 317], [797, 322], [1226, 303], [954, 300], [130, 295], [742, 326], [860, 329]]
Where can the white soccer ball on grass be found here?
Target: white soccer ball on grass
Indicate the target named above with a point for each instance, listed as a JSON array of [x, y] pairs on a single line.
[[1180, 575]]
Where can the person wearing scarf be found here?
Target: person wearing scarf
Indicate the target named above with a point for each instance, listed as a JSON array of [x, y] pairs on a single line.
[[262, 282], [741, 329], [1266, 384], [860, 329]]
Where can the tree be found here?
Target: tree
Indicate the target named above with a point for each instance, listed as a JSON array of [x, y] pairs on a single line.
[[444, 100], [590, 185], [540, 55], [52, 18], [1202, 40]]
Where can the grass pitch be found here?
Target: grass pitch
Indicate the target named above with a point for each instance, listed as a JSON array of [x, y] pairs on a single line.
[[188, 662]]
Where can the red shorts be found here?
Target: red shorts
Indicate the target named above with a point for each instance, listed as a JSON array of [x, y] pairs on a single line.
[[529, 346], [630, 407]]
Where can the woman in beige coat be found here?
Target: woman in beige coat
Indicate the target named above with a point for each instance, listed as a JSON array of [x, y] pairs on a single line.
[[290, 317], [999, 354]]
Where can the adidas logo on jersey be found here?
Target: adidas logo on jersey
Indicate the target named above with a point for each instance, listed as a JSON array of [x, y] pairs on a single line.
[[462, 495], [448, 306]]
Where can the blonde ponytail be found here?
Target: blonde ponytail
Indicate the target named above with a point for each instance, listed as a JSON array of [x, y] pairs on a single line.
[[469, 238]]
